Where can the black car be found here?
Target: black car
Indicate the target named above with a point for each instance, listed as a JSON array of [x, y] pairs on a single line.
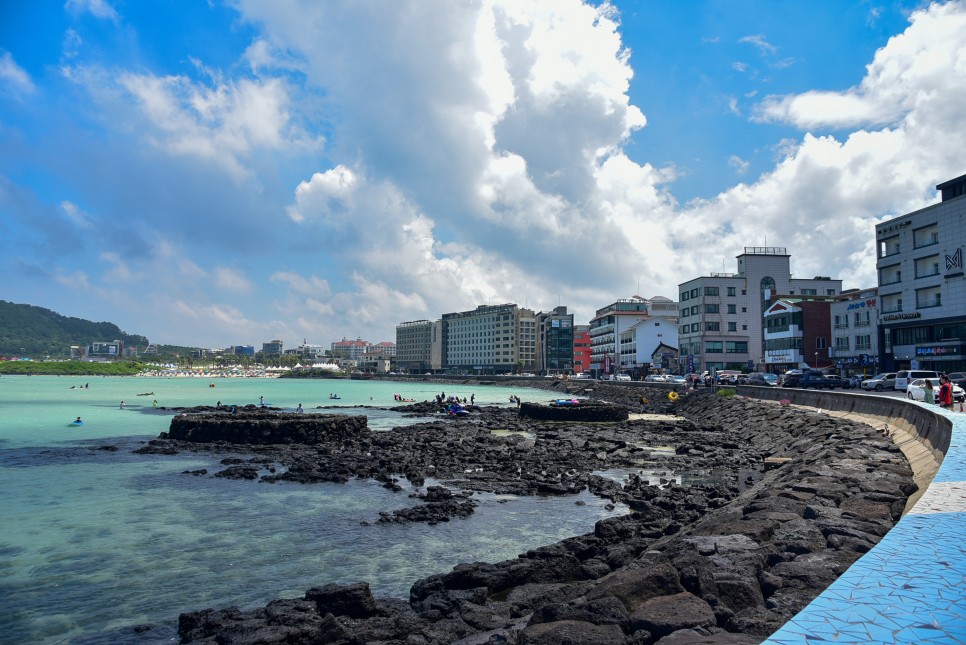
[[808, 378], [838, 381], [761, 380]]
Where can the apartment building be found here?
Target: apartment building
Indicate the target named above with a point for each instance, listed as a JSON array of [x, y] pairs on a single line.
[[414, 341], [922, 304], [273, 348], [855, 343], [720, 325], [611, 322], [581, 348], [496, 339], [351, 349], [796, 333]]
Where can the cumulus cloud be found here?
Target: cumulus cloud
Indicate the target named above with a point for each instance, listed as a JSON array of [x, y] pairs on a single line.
[[906, 76]]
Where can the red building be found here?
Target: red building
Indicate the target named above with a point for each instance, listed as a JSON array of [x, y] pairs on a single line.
[[581, 348]]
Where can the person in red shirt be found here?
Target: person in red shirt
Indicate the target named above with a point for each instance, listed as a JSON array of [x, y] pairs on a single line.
[[945, 392]]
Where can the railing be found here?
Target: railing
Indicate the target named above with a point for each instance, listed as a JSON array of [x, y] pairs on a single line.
[[895, 279], [925, 304], [927, 273], [894, 309]]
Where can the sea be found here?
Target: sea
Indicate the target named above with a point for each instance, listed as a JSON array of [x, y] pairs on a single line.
[[94, 542]]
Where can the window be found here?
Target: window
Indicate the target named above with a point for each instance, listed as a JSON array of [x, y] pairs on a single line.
[[890, 275], [862, 318], [744, 292], [928, 297], [684, 312], [841, 344], [732, 326], [694, 293], [711, 309], [713, 347], [889, 246], [712, 326], [927, 266], [863, 342], [820, 342], [732, 309], [841, 321], [744, 328], [830, 292], [744, 310], [684, 296], [695, 327], [694, 310], [736, 347], [809, 292], [731, 291], [925, 236], [711, 291]]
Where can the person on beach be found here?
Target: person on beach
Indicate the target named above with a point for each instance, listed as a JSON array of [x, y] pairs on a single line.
[[261, 401], [155, 403], [928, 393], [122, 405], [78, 421], [299, 409]]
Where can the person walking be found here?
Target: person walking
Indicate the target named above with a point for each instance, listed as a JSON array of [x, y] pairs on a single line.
[[945, 393], [928, 393]]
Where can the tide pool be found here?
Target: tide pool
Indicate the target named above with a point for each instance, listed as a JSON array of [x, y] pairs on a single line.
[[95, 541]]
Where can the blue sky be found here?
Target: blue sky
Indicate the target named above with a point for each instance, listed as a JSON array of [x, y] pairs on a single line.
[[229, 172]]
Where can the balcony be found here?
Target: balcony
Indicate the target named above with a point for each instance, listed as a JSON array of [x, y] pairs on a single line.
[[892, 279], [925, 273], [931, 302], [891, 309]]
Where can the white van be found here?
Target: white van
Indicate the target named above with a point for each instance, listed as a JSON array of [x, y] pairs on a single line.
[[904, 377]]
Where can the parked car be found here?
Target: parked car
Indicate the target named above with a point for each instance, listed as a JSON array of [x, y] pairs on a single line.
[[838, 381], [808, 378], [959, 378], [917, 390], [904, 377], [886, 380], [654, 378], [677, 380], [581, 375], [622, 377], [761, 379]]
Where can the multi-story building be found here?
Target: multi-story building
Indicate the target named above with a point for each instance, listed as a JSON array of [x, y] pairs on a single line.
[[855, 343], [113, 349], [384, 349], [308, 351], [720, 322], [922, 304], [611, 321], [797, 330], [555, 341], [273, 348], [414, 343], [491, 338], [351, 349], [581, 348], [243, 350]]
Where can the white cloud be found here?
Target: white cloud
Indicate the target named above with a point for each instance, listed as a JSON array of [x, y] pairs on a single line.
[[76, 215], [926, 61], [97, 8], [758, 40], [14, 77], [739, 164], [231, 280]]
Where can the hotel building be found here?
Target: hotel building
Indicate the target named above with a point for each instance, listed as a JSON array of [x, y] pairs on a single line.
[[922, 304]]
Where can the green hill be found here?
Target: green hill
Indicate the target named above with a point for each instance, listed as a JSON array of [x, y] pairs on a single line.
[[38, 332]]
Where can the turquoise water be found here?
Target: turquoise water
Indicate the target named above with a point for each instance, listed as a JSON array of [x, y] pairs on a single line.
[[93, 542]]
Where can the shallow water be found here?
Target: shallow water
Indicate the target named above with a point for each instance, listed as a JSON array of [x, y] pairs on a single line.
[[94, 542]]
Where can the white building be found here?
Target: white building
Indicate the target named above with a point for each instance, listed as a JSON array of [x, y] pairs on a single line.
[[490, 339], [922, 304], [611, 322], [720, 322], [644, 338], [855, 342]]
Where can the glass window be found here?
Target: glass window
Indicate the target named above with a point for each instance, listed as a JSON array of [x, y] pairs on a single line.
[[711, 291], [736, 347], [809, 292], [830, 292], [732, 309], [712, 326], [713, 347], [732, 326], [820, 342], [694, 293], [711, 309], [731, 291]]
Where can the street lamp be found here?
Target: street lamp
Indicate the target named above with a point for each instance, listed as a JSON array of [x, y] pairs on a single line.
[[816, 360]]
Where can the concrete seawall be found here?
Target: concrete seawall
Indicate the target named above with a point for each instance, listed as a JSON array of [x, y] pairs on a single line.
[[911, 587]]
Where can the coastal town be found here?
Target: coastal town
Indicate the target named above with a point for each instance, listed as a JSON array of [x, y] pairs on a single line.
[[758, 318]]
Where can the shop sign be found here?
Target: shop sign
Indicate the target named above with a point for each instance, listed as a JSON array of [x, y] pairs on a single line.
[[862, 304], [894, 227], [906, 316], [939, 350]]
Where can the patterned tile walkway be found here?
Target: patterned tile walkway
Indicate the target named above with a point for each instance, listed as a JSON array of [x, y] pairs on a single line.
[[910, 588]]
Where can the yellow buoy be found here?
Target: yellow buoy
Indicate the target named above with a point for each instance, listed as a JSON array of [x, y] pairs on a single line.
[[673, 396]]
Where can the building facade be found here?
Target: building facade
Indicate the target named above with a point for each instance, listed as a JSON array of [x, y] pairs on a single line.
[[555, 341], [797, 332], [113, 349], [922, 304], [273, 348], [351, 349], [721, 314], [494, 339], [581, 348], [414, 346], [652, 345], [610, 322], [855, 341]]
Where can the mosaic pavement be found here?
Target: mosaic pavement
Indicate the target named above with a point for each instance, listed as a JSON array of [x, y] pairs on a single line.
[[911, 587]]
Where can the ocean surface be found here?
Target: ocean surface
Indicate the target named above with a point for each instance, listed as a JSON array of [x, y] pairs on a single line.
[[94, 542]]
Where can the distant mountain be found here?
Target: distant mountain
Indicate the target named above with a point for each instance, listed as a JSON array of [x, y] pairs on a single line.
[[38, 332]]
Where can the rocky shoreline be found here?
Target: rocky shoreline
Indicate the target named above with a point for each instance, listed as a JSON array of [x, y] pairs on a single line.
[[727, 560]]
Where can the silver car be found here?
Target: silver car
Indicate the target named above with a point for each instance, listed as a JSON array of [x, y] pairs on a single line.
[[884, 381]]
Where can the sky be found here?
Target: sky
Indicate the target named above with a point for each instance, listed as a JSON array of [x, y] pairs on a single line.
[[235, 171]]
